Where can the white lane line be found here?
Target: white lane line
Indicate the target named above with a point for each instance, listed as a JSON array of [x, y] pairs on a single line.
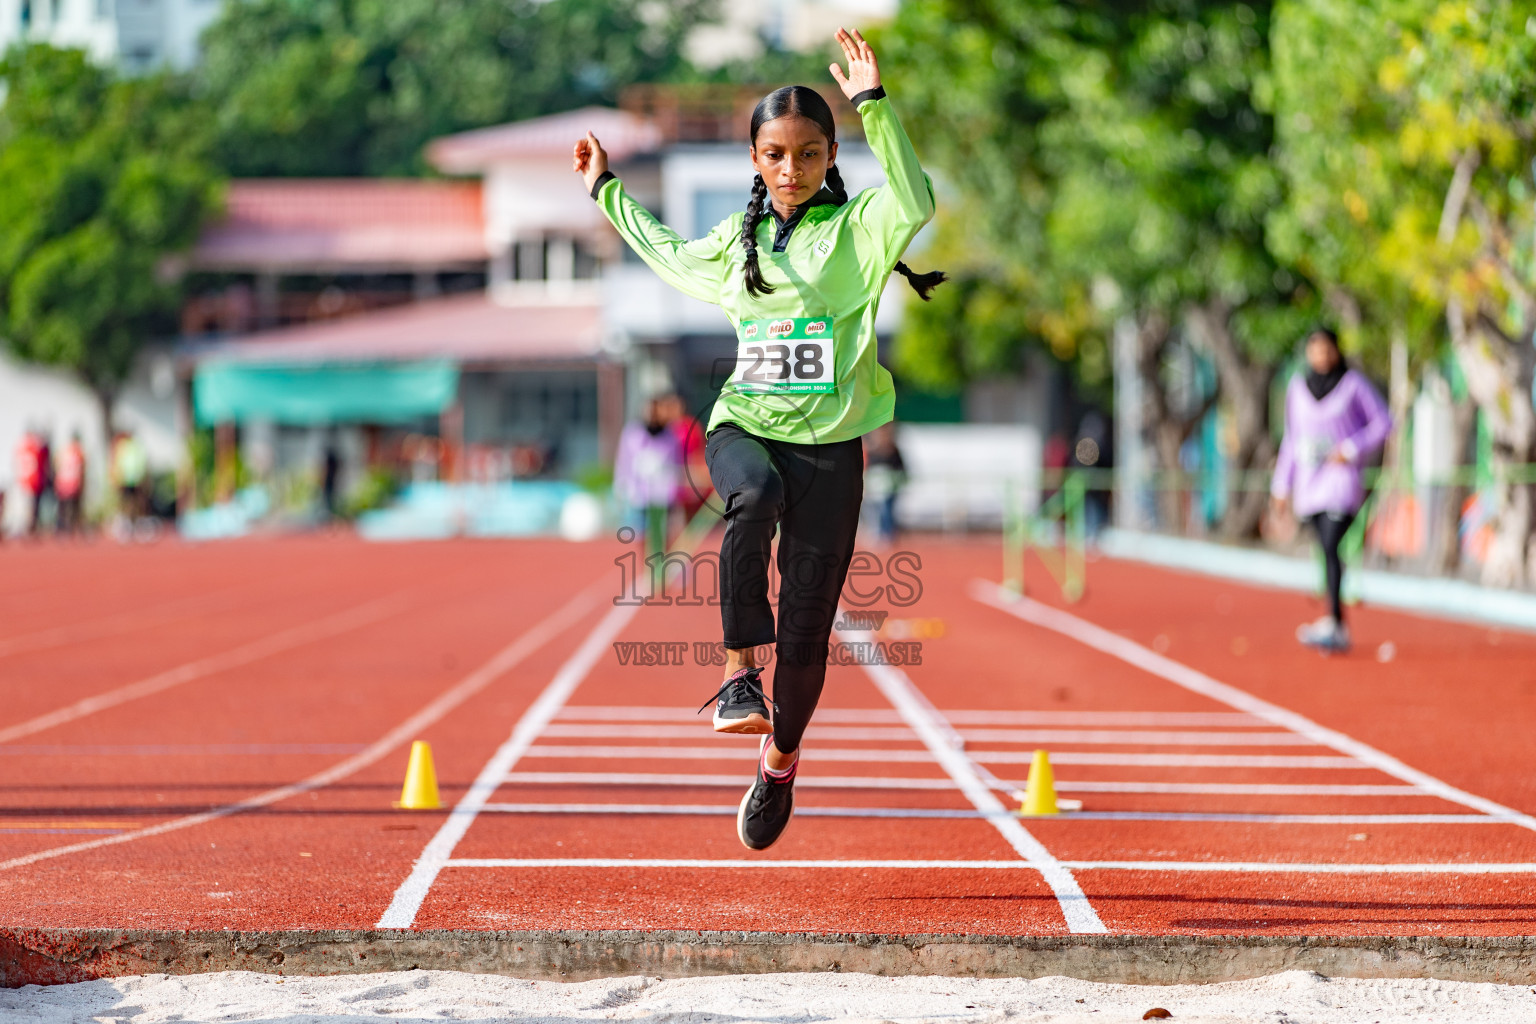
[[410, 729], [733, 781], [245, 654], [664, 713], [1287, 819], [1283, 867], [604, 779], [729, 810], [1060, 757], [940, 739], [888, 716], [1040, 737], [945, 812], [174, 749], [878, 755], [112, 625], [1129, 651], [724, 753], [1106, 719], [226, 599], [1135, 738], [408, 898], [1244, 867], [1236, 788], [699, 730]]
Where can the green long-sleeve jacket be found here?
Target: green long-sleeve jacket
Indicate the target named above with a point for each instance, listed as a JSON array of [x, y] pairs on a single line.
[[829, 277]]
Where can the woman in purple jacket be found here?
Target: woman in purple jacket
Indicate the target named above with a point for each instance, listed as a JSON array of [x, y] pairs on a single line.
[[1334, 420]]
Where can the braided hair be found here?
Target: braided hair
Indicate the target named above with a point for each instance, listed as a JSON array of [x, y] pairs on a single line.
[[806, 103], [756, 207]]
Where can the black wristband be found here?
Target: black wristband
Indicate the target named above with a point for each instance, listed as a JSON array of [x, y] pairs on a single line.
[[602, 179], [877, 93]]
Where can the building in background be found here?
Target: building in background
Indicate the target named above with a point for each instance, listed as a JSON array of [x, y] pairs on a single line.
[[141, 35], [534, 374], [291, 251], [680, 152], [746, 29], [136, 35]]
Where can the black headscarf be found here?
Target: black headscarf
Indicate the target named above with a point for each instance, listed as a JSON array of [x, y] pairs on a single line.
[[1319, 384]]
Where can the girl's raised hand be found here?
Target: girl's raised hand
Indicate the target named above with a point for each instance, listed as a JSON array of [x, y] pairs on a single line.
[[863, 72], [589, 160]]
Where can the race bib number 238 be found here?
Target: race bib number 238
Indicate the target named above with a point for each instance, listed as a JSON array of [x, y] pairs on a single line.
[[791, 355]]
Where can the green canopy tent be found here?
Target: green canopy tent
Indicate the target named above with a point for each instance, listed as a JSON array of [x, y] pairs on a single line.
[[322, 394]]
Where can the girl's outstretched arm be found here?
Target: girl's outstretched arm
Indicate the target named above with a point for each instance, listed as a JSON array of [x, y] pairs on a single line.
[[893, 214], [695, 268]]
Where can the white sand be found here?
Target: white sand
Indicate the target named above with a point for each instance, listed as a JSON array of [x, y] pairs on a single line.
[[1293, 998]]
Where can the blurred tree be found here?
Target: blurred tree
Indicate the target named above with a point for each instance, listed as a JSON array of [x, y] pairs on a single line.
[[1407, 139], [1346, 181], [1464, 76], [1113, 160], [106, 182], [1336, 129], [347, 87]]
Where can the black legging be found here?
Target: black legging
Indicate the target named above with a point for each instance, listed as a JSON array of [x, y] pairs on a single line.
[[1331, 528], [811, 492]]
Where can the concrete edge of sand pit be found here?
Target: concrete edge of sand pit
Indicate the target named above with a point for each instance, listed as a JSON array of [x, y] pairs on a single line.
[[61, 955]]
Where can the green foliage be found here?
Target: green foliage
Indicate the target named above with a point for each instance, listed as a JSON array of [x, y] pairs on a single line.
[[1109, 159], [346, 87], [106, 182], [1346, 183], [594, 478], [375, 490]]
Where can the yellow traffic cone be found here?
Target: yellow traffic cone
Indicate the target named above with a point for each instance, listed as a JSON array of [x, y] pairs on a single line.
[[1040, 791], [420, 790]]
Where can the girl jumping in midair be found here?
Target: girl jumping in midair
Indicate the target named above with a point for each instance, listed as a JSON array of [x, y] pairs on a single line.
[[799, 275]]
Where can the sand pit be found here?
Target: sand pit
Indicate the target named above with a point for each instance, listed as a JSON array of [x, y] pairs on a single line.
[[419, 996]]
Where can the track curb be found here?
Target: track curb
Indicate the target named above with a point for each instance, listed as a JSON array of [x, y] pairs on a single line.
[[62, 955]]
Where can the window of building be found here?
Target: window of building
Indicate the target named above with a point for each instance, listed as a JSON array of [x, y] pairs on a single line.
[[713, 205], [26, 14]]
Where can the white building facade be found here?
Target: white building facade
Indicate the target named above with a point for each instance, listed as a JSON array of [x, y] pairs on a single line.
[[135, 35]]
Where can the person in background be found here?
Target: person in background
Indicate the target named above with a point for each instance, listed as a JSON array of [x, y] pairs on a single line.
[[694, 486], [329, 478], [884, 474], [646, 472], [130, 465], [28, 466], [69, 485], [45, 497], [1334, 421], [1094, 451]]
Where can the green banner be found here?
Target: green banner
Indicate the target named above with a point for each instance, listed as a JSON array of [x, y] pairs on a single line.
[[323, 393]]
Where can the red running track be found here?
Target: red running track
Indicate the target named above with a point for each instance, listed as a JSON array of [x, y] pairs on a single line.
[[211, 737]]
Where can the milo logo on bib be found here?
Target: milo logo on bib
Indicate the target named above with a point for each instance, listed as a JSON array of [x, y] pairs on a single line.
[[795, 357]]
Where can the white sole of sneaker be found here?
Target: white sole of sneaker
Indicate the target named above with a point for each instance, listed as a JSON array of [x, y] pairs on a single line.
[[752, 725]]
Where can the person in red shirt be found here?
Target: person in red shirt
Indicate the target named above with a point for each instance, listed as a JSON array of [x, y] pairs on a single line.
[[28, 464], [69, 485], [695, 485]]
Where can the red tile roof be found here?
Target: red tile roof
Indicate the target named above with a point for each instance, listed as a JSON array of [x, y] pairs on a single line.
[[465, 328], [301, 225]]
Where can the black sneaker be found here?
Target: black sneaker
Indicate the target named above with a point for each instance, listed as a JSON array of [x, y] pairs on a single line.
[[766, 809], [741, 706]]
